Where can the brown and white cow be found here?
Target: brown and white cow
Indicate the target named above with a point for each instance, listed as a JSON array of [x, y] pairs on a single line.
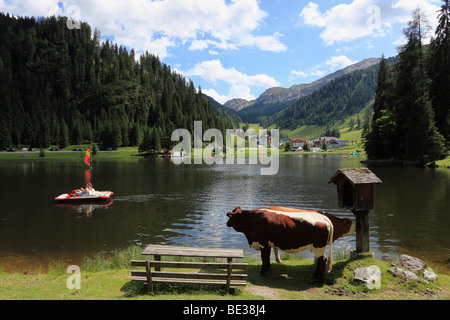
[[290, 230]]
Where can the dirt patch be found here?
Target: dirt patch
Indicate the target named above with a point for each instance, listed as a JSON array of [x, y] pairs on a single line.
[[264, 292]]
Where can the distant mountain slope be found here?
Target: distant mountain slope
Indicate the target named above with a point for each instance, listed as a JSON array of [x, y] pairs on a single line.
[[276, 99], [335, 101], [332, 103], [225, 113], [237, 104]]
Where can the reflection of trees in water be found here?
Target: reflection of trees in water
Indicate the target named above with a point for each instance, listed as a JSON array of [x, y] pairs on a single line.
[[411, 211]]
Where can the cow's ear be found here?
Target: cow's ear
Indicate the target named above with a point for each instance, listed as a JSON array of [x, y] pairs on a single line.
[[236, 210]]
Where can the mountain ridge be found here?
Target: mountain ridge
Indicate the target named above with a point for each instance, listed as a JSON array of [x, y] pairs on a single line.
[[277, 98]]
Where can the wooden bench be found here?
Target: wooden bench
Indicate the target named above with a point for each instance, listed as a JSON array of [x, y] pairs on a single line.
[[229, 278]]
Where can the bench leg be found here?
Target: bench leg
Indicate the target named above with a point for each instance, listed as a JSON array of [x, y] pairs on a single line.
[[229, 260], [157, 258], [148, 270]]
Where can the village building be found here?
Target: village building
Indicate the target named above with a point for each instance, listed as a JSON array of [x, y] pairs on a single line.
[[297, 143]]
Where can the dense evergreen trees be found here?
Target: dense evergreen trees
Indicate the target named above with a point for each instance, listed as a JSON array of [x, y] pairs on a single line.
[[403, 124], [440, 73], [332, 104], [61, 86]]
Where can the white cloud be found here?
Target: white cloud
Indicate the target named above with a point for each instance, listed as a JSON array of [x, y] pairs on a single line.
[[339, 62], [312, 17], [216, 96], [400, 42], [332, 64], [213, 71], [31, 8], [157, 25], [235, 92], [198, 45], [361, 18], [240, 91], [303, 74], [299, 73]]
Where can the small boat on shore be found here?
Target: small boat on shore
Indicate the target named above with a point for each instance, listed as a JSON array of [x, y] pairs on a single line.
[[81, 195]]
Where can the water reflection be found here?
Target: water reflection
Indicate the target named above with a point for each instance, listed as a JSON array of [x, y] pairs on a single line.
[[86, 209]]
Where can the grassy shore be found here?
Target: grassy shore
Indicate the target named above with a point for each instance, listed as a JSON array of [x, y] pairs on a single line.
[[108, 278], [444, 163], [67, 154]]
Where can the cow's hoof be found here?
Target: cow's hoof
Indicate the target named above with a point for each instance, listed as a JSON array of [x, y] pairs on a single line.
[[279, 261], [318, 281]]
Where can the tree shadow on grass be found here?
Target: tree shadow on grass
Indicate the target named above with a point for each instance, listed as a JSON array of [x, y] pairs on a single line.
[[133, 289]]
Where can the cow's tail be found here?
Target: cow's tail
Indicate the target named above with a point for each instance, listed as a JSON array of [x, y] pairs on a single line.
[[330, 241]]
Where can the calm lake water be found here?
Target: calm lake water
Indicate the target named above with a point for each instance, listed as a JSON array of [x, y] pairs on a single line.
[[158, 202]]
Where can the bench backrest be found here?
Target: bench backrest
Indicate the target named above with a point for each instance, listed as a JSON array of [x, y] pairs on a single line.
[[162, 250]]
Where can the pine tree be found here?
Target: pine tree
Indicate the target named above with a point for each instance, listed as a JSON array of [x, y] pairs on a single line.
[[366, 125], [382, 92], [116, 136], [414, 116], [378, 137], [63, 139], [146, 144], [440, 73], [75, 133], [134, 136], [43, 135], [157, 139], [5, 136]]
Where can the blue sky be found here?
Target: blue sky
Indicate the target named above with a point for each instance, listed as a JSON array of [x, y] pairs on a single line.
[[240, 48]]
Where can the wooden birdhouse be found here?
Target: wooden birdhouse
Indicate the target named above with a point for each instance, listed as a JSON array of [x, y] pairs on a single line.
[[355, 188]]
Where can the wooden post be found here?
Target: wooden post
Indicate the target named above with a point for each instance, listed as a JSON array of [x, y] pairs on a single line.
[[157, 258], [362, 231]]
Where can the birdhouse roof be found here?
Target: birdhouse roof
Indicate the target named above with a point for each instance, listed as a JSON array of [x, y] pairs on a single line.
[[356, 176]]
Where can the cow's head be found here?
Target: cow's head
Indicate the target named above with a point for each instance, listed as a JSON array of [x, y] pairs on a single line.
[[350, 227], [235, 219]]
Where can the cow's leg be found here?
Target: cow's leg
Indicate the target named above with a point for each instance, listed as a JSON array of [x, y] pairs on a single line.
[[277, 255], [265, 257], [321, 263]]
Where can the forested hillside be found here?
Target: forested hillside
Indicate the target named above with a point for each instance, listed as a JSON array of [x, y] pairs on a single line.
[[61, 86], [333, 103], [275, 100]]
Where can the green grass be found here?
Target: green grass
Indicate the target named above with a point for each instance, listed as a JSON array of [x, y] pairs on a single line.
[[78, 155], [444, 163], [107, 277]]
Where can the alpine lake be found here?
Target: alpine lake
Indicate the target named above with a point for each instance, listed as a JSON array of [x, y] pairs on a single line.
[[156, 201]]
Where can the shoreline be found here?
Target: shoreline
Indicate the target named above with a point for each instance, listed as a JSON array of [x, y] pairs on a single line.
[[133, 152]]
